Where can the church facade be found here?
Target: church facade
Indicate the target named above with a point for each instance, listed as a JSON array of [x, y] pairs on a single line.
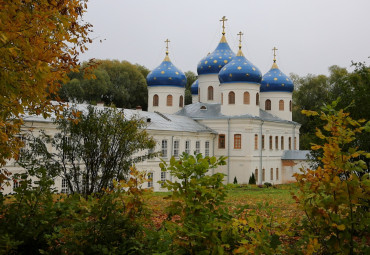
[[236, 112]]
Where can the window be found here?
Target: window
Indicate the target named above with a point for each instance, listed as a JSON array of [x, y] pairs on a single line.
[[271, 174], [206, 153], [169, 100], [295, 143], [64, 188], [221, 141], [231, 97], [276, 142], [181, 102], [197, 147], [15, 184], [281, 105], [222, 98], [282, 143], [187, 147], [277, 174], [163, 178], [263, 175], [237, 141], [246, 99], [164, 148], [256, 142], [263, 142], [150, 180], [257, 99], [270, 142], [256, 175], [268, 105], [176, 145], [290, 143], [290, 105], [210, 93], [155, 100]]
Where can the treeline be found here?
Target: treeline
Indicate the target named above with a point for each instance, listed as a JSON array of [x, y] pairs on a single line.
[[117, 83]]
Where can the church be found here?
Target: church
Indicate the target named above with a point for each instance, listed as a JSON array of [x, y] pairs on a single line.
[[236, 112]]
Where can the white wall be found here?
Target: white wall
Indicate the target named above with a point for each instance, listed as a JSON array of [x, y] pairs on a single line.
[[205, 81], [163, 92], [275, 97]]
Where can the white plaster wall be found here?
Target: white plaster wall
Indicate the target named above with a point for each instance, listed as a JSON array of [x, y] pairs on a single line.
[[162, 92], [239, 108], [194, 99], [205, 81], [275, 97]]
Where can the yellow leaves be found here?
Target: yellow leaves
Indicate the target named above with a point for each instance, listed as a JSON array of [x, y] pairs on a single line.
[[309, 113]]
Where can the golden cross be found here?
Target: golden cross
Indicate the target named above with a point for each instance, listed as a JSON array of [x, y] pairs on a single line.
[[167, 41], [240, 39], [223, 24], [274, 49]]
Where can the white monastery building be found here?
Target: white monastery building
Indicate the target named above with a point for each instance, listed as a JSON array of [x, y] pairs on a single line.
[[236, 112]]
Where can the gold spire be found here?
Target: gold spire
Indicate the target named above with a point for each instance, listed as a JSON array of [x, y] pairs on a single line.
[[240, 53], [274, 65], [223, 38], [167, 57]]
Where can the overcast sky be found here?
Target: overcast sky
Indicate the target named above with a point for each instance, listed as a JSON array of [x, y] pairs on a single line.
[[310, 35]]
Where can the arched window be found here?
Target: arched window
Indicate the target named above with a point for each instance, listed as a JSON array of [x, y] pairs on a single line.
[[181, 103], [270, 142], [210, 93], [256, 142], [290, 105], [268, 105], [222, 98], [257, 99], [231, 97], [169, 100], [281, 105], [282, 143], [155, 100], [276, 142], [246, 98], [271, 174]]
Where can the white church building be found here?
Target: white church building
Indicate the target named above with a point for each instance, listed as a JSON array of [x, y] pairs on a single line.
[[235, 112]]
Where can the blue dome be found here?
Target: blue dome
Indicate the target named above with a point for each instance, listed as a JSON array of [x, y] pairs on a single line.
[[166, 74], [275, 81], [212, 63], [194, 87], [240, 69]]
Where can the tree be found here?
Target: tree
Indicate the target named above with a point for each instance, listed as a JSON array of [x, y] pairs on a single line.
[[91, 149], [39, 44], [252, 179], [335, 196], [190, 79]]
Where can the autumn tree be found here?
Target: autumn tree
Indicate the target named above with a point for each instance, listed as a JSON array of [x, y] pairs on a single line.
[[91, 148], [335, 196], [39, 44]]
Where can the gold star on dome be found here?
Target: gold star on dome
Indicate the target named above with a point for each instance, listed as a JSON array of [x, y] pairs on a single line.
[[155, 78], [220, 57], [219, 66], [239, 67], [287, 79], [275, 79], [170, 78], [205, 62], [254, 69], [224, 68], [211, 58], [247, 74], [162, 72], [268, 85], [282, 84], [215, 61], [231, 75], [177, 73], [225, 61]]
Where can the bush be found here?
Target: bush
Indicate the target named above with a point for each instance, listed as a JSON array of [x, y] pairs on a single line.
[[252, 179]]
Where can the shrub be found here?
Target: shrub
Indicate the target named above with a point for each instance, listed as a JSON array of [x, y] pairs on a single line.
[[252, 179]]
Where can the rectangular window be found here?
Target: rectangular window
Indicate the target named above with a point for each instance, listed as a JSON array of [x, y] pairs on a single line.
[[221, 141], [263, 142], [176, 145], [237, 141], [197, 147], [282, 143], [270, 142], [187, 147], [256, 142], [290, 143], [277, 173], [150, 180], [276, 142], [271, 174], [206, 148], [164, 148], [163, 178], [64, 186]]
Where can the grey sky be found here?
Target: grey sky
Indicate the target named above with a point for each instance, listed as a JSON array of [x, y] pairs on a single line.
[[310, 35]]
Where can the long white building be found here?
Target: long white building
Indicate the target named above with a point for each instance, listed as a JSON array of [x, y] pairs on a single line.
[[236, 112]]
